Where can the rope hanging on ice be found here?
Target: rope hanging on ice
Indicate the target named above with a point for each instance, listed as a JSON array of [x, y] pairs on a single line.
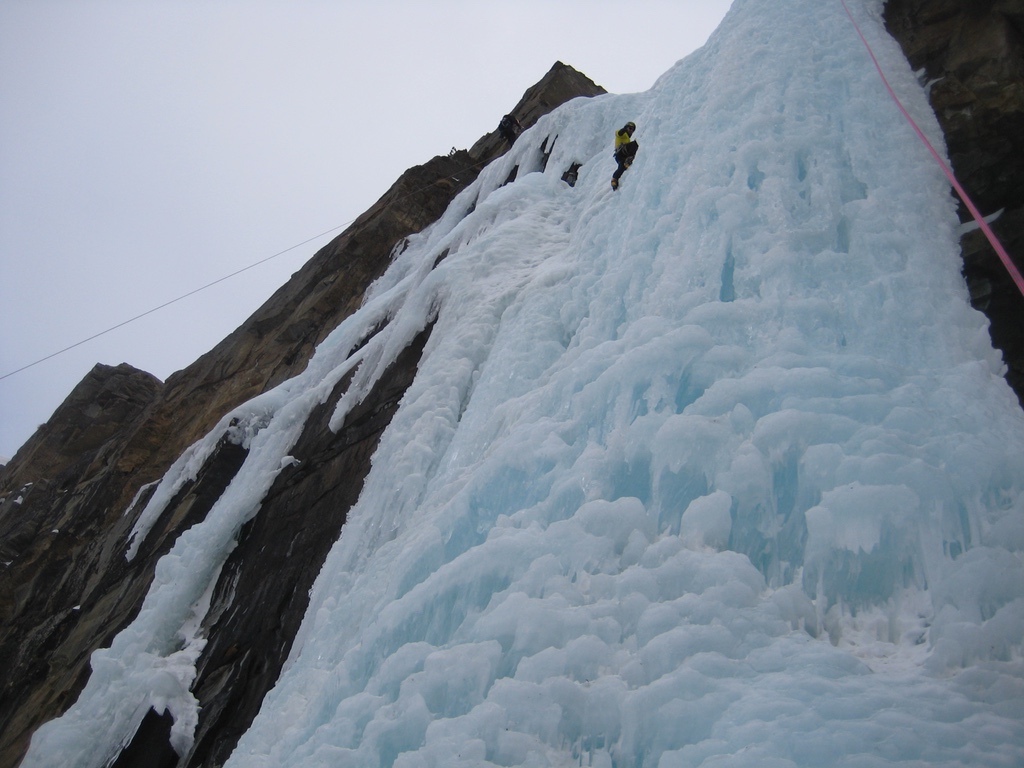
[[998, 246]]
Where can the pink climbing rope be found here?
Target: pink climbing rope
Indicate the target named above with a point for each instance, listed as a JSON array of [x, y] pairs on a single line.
[[1003, 255]]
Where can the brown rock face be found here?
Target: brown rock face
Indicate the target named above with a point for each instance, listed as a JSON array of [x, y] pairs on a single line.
[[38, 520], [96, 411], [65, 586], [972, 51]]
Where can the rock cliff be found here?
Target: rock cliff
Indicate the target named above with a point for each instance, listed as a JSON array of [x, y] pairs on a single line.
[[71, 495]]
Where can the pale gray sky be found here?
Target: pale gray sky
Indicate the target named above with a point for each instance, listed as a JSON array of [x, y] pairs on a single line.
[[148, 147]]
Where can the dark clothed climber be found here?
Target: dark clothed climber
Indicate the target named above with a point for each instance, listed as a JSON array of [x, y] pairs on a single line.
[[509, 128], [625, 151]]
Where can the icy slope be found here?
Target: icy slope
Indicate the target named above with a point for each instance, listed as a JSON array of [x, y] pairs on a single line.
[[717, 469]]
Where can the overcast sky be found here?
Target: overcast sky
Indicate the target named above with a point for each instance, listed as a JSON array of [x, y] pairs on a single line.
[[150, 147]]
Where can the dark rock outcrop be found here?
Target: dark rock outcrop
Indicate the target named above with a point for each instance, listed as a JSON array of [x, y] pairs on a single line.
[[972, 54], [96, 412], [65, 586], [300, 519], [38, 520]]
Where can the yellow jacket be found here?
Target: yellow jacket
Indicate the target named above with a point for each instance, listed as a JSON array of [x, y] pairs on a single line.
[[622, 137]]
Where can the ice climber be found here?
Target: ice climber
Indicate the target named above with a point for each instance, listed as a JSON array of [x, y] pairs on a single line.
[[509, 128], [625, 150]]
